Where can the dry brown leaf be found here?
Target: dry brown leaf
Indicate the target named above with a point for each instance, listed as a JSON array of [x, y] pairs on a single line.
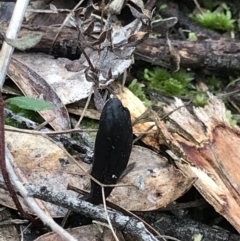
[[43, 162], [154, 182], [84, 233], [33, 85], [69, 86]]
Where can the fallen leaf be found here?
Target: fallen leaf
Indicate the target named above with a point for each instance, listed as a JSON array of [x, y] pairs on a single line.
[[153, 182], [83, 233], [69, 86], [26, 42], [34, 86], [43, 162]]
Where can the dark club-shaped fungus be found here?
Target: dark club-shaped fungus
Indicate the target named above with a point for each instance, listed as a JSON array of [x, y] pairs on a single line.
[[112, 148]]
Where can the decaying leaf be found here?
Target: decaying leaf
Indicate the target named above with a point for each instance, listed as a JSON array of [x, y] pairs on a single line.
[[137, 38], [139, 13], [110, 55], [115, 6], [8, 230], [29, 103], [83, 233], [89, 113], [25, 42], [154, 183], [102, 37], [43, 162], [34, 86], [70, 86], [89, 29]]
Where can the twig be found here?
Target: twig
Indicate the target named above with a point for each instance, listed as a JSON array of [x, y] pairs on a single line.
[[59, 10], [4, 169], [102, 13], [85, 108], [127, 224], [12, 32], [42, 125], [53, 133], [49, 133], [32, 203], [65, 21], [198, 6], [118, 208], [108, 219]]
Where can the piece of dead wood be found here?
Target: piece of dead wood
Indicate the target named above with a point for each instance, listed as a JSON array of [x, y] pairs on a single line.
[[185, 228], [214, 54], [207, 147], [128, 225]]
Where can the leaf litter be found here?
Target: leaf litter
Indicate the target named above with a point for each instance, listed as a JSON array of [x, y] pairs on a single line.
[[44, 162], [151, 184]]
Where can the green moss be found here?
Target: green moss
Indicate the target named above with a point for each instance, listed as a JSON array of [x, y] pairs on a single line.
[[192, 36], [10, 122], [214, 82], [89, 123], [177, 83], [231, 120], [216, 19], [137, 89], [200, 99]]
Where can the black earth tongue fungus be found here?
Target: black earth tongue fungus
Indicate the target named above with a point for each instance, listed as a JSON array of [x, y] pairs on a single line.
[[112, 151], [113, 147]]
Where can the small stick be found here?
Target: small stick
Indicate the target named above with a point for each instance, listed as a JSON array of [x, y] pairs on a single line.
[[3, 167], [12, 32], [85, 108]]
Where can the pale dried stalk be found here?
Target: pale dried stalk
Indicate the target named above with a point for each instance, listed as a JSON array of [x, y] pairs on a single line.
[[12, 32]]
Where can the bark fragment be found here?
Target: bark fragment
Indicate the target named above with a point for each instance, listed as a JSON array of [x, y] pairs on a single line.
[[207, 147]]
